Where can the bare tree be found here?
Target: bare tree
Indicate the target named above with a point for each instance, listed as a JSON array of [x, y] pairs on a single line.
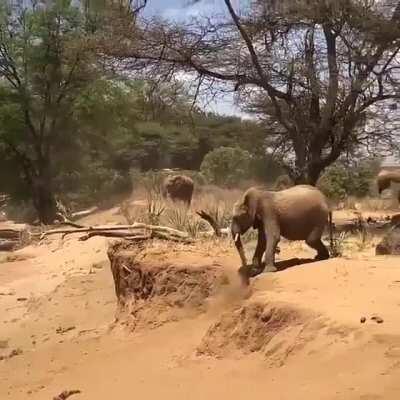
[[313, 69]]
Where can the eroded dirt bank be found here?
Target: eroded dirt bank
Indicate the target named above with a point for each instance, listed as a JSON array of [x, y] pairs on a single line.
[[293, 334]]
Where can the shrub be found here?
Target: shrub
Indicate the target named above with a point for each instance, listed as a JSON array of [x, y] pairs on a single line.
[[335, 183], [283, 182], [226, 166], [340, 180]]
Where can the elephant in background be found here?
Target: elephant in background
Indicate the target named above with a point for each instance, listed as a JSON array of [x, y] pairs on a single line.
[[385, 179], [298, 213], [178, 188]]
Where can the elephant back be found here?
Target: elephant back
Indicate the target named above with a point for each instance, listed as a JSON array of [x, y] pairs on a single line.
[[178, 188]]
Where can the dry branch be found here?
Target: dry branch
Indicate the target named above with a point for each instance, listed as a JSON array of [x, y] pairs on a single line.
[[207, 217], [135, 237], [116, 234], [63, 220], [66, 394], [84, 213]]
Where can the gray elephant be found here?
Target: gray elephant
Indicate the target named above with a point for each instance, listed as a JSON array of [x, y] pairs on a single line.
[[385, 179], [178, 188], [298, 213]]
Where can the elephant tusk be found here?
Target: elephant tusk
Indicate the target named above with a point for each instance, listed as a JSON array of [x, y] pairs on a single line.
[[237, 237]]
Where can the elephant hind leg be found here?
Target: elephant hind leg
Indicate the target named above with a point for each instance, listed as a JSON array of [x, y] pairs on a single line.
[[315, 242]]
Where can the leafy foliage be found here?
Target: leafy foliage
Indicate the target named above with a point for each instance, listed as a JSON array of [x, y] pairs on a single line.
[[226, 166], [341, 180]]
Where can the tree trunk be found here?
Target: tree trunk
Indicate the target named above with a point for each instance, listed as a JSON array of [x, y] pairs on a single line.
[[43, 197], [308, 177]]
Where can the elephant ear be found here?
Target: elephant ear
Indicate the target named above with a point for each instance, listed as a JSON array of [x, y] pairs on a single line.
[[251, 203]]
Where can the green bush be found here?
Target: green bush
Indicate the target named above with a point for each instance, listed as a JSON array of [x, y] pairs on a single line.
[[340, 180], [226, 166], [335, 183]]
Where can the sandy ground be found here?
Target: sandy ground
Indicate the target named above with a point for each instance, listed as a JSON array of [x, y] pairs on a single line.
[[57, 308]]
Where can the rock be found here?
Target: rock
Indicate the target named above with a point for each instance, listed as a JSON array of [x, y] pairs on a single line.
[[390, 244], [377, 319], [13, 353], [363, 319], [395, 219]]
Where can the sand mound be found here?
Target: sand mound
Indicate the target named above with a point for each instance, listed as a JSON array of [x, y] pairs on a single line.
[[274, 330], [154, 290]]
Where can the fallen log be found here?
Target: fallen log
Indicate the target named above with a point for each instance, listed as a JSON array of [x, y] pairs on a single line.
[[8, 245], [136, 238], [115, 234], [128, 230], [14, 236]]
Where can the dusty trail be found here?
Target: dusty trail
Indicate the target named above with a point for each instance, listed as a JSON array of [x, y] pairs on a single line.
[[65, 330]]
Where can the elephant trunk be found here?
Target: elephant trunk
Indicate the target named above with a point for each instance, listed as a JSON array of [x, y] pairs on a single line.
[[239, 245]]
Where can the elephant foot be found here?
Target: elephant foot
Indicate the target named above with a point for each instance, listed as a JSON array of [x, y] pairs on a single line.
[[271, 268], [244, 275], [250, 271], [321, 257]]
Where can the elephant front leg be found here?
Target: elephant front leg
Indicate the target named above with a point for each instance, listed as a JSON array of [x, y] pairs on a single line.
[[260, 249], [273, 239]]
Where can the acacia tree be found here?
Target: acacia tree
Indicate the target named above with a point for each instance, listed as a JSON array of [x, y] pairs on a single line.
[[44, 64], [312, 69]]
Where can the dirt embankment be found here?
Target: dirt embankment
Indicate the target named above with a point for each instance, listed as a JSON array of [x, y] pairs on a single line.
[[153, 290], [299, 311]]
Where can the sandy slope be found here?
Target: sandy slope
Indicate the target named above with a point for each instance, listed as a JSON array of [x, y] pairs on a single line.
[[63, 329]]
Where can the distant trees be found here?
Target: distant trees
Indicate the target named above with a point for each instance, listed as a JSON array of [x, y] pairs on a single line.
[[313, 70]]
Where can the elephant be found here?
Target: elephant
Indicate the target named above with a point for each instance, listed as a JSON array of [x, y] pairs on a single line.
[[297, 213], [178, 188], [385, 178]]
